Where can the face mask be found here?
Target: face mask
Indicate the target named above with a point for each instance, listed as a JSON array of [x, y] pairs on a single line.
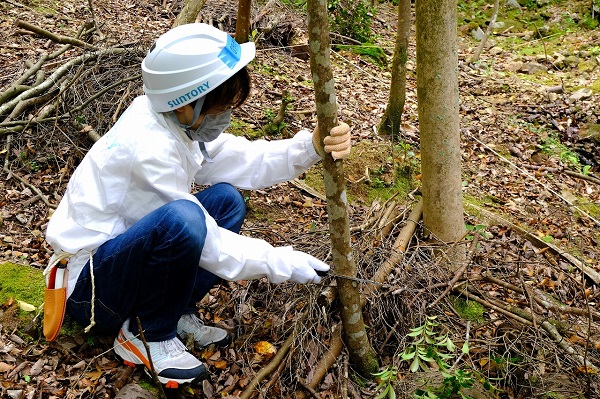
[[211, 127]]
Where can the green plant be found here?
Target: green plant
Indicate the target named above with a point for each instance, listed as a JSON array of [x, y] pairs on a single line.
[[352, 19], [296, 4], [430, 347], [553, 146], [386, 378], [480, 228], [452, 385], [272, 127], [427, 347]]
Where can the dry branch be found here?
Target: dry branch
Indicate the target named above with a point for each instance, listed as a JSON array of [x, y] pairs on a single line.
[[538, 242], [335, 348], [55, 38], [542, 300], [272, 366], [488, 32], [399, 249], [563, 170], [459, 273], [31, 186], [526, 319], [57, 75]]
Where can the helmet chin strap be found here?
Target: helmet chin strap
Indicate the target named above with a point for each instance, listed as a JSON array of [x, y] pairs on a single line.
[[187, 130], [197, 111]]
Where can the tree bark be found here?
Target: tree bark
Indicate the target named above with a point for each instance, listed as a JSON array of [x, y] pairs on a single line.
[[488, 32], [437, 95], [189, 12], [392, 117], [242, 24], [361, 351]]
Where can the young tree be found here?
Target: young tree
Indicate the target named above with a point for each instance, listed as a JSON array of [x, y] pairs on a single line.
[[392, 117], [437, 96], [242, 24], [361, 352], [189, 12]]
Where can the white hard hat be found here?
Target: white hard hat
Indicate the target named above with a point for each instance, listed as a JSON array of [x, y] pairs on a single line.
[[189, 61]]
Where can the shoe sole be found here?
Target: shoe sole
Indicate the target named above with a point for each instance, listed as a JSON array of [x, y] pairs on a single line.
[[133, 357]]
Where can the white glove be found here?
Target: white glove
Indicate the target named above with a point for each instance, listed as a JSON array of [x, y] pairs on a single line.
[[305, 268], [302, 267]]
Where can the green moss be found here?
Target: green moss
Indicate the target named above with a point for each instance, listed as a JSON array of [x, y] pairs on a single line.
[[468, 310], [591, 208], [376, 53], [374, 172], [595, 86], [44, 6], [243, 129], [536, 50], [21, 282]]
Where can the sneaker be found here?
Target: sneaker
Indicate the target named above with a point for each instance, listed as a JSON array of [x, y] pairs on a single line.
[[173, 364], [203, 335]]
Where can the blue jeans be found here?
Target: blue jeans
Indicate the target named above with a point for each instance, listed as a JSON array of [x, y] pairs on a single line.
[[151, 271]]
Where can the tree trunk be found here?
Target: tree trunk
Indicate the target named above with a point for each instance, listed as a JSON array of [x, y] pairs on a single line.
[[355, 336], [437, 95], [242, 24], [189, 12], [392, 117]]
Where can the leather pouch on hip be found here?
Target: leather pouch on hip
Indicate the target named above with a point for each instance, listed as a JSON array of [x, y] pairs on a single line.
[[55, 302]]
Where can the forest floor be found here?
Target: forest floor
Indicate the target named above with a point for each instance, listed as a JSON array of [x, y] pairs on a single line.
[[527, 306]]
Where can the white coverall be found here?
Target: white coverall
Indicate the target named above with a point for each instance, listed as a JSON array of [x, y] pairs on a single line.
[[146, 161]]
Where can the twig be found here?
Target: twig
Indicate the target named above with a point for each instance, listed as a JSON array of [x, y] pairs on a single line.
[[488, 32], [538, 242], [31, 186], [530, 301], [344, 388], [275, 376], [327, 360], [305, 187], [57, 75], [466, 343], [120, 105], [55, 38], [459, 273], [490, 305], [101, 92], [265, 371], [565, 171], [265, 10], [547, 187], [527, 320], [123, 377], [308, 389], [399, 249], [161, 391], [91, 5], [377, 215], [544, 302]]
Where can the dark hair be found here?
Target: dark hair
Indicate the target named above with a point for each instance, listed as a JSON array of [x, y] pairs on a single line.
[[231, 93]]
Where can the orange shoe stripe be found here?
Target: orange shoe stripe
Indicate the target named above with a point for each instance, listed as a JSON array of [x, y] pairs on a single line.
[[132, 348]]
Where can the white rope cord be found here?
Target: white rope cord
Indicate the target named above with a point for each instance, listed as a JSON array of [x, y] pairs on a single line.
[[92, 319], [528, 175]]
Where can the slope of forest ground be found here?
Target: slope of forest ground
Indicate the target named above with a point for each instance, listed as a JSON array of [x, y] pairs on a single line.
[[527, 305]]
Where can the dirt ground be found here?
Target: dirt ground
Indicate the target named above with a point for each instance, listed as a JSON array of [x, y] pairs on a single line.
[[530, 182]]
